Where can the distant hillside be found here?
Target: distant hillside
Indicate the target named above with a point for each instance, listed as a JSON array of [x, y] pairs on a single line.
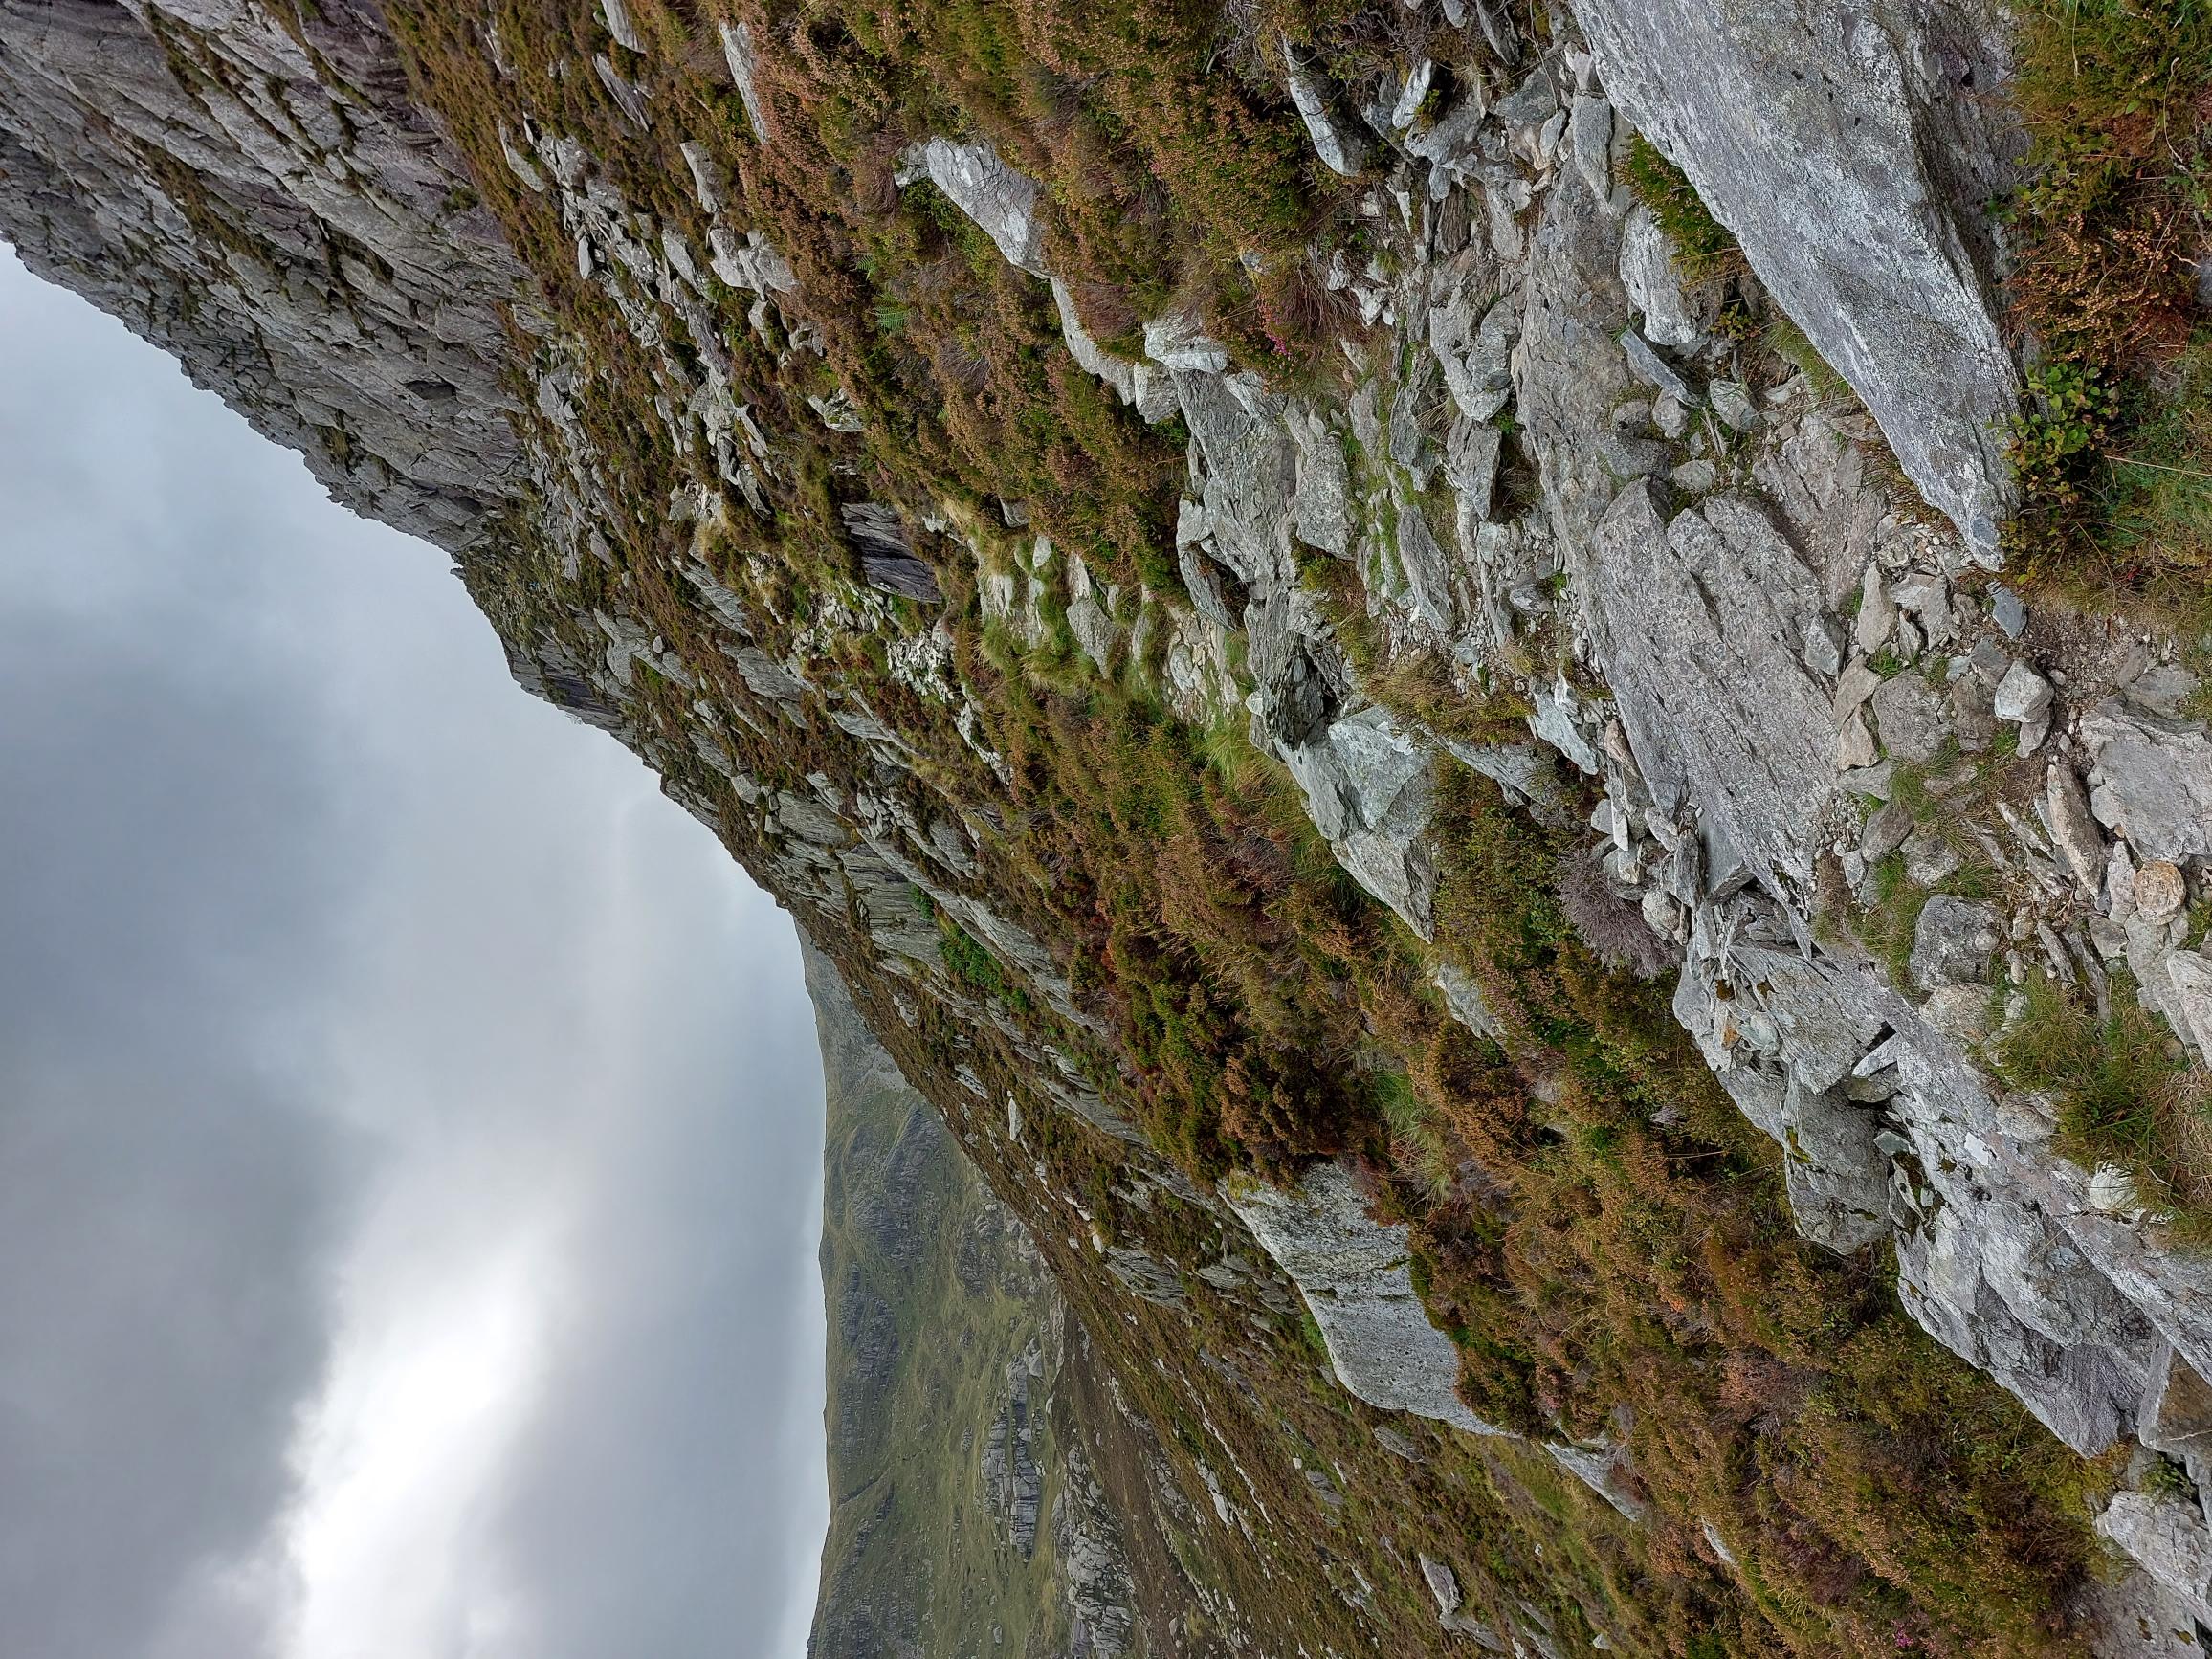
[[968, 1482]]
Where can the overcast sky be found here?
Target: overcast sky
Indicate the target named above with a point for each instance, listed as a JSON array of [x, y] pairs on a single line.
[[409, 1122]]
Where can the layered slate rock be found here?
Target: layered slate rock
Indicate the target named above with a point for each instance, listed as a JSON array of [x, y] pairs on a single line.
[[1705, 617], [289, 226], [1805, 130], [1356, 1275]]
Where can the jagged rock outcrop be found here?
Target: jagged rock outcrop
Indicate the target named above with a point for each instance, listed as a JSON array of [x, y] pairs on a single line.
[[1818, 134], [252, 189]]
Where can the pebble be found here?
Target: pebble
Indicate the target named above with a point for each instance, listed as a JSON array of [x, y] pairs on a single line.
[[2159, 891], [1876, 613], [1732, 405], [2008, 610]]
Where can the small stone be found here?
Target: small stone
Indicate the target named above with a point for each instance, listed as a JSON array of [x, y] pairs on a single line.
[[1694, 477], [2109, 937], [2007, 611], [1858, 683], [1652, 370], [2022, 696], [1732, 405], [1910, 716], [2119, 882], [2161, 893], [1855, 743], [1972, 716], [1989, 659], [1961, 1013], [1870, 782], [1876, 613], [1929, 858], [2067, 811], [1590, 142], [1670, 416], [2191, 977], [1396, 1444], [1823, 646], [2154, 777], [1412, 95], [2033, 732], [1953, 942], [2162, 690], [1661, 914], [1886, 831]]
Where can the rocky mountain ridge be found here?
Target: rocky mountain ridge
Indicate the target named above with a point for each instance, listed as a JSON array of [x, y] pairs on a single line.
[[968, 1513], [1603, 646]]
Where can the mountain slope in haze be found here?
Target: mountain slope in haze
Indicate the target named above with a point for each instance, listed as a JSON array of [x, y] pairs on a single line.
[[970, 1456]]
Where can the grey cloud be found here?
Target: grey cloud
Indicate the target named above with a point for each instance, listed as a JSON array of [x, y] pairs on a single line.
[[275, 828], [648, 1516], [164, 1202]]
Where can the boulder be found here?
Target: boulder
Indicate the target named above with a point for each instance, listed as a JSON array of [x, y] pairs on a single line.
[[2158, 891], [2066, 811], [1000, 201], [1355, 1275], [2169, 1537], [1369, 790], [2153, 780], [1953, 942], [1908, 716], [2022, 696]]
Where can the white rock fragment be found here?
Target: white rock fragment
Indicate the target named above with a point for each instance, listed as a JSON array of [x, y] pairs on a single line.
[[744, 70], [1341, 151], [2022, 697], [619, 25]]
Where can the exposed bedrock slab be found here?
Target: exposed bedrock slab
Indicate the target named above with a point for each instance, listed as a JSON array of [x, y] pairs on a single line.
[[1826, 138], [1357, 1278], [1704, 616]]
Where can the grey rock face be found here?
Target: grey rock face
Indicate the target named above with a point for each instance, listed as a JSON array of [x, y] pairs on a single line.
[[1000, 200], [347, 306], [1702, 620], [1356, 1279], [2153, 780], [1804, 127]]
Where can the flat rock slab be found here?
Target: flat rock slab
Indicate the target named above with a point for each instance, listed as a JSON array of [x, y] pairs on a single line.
[[1357, 1278], [1804, 129], [1704, 618]]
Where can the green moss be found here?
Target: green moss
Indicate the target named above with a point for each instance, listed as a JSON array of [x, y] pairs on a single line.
[[1791, 343], [1705, 247]]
